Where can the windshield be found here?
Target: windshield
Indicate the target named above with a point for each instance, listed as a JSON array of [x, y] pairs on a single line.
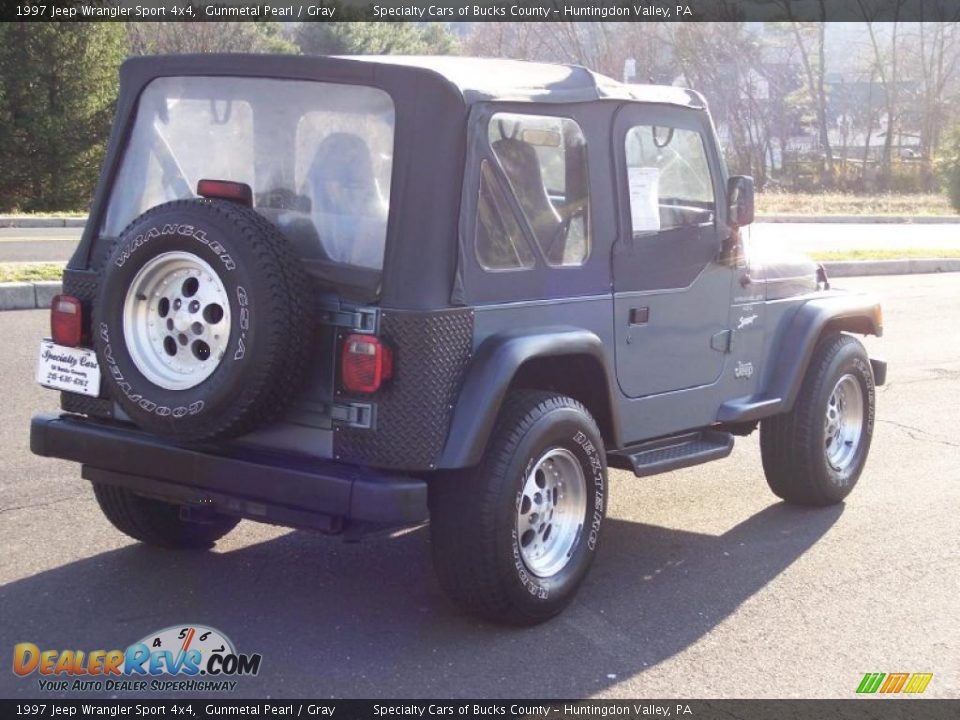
[[318, 157]]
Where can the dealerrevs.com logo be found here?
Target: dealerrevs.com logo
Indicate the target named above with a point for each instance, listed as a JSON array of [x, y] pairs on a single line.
[[178, 658]]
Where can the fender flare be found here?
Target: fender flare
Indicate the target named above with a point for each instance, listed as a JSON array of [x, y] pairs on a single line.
[[856, 313], [488, 378]]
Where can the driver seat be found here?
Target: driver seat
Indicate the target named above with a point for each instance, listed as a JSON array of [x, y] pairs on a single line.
[[344, 159], [522, 168]]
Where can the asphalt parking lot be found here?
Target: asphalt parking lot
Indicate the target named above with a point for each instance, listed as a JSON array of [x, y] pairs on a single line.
[[705, 586]]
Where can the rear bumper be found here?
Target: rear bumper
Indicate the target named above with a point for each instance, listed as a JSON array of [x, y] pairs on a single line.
[[286, 491]]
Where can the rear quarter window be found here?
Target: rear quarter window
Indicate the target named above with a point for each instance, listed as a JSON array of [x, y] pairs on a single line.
[[543, 161]]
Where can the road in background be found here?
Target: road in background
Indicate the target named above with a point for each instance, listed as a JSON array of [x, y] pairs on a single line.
[[705, 584], [57, 244], [820, 237], [38, 244]]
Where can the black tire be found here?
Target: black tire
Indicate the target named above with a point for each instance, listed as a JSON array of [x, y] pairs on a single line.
[[473, 514], [269, 339], [158, 523], [793, 445]]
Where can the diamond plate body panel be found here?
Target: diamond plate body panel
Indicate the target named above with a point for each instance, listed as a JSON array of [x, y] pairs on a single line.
[[673, 452], [82, 284], [86, 405], [431, 352]]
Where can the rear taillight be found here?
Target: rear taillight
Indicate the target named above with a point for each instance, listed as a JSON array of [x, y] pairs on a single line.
[[66, 320], [226, 190], [365, 363]]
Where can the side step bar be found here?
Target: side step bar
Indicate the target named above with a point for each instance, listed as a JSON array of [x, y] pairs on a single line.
[[672, 453]]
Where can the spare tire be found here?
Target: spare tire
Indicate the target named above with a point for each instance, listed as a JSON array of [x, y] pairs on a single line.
[[200, 326]]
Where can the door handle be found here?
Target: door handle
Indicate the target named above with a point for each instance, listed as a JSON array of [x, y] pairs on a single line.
[[639, 316]]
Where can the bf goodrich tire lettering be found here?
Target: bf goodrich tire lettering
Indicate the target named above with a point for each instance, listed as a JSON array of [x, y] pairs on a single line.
[[201, 326], [500, 550]]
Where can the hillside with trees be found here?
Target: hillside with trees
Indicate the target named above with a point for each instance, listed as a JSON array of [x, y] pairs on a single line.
[[802, 106]]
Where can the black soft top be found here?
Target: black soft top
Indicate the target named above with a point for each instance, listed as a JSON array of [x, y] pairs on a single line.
[[501, 80], [472, 79], [433, 96]]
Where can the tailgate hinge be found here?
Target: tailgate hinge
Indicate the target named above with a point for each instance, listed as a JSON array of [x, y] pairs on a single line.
[[355, 415], [325, 415], [363, 320]]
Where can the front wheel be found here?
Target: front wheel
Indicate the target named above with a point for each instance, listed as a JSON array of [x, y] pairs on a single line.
[[513, 538], [814, 454]]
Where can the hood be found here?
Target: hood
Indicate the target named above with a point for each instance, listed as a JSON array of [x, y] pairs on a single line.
[[783, 273]]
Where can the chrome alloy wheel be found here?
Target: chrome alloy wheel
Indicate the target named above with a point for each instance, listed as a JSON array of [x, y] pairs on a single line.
[[551, 511], [176, 320], [843, 423]]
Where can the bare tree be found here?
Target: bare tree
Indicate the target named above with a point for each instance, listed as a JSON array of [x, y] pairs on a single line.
[[724, 62], [815, 73], [889, 72], [938, 56], [600, 46], [523, 41]]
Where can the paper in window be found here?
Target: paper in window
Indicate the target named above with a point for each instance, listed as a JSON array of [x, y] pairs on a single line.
[[644, 198]]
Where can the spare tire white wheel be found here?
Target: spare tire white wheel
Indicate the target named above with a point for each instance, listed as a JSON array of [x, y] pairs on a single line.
[[202, 333]]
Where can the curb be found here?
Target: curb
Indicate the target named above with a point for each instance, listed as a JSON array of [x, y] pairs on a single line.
[[28, 295], [863, 219], [857, 268], [34, 295], [15, 221]]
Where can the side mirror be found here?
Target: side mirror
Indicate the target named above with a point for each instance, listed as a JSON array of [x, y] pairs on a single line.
[[740, 200]]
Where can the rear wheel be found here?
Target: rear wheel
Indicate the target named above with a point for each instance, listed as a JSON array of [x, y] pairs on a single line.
[[158, 523], [814, 454], [513, 538]]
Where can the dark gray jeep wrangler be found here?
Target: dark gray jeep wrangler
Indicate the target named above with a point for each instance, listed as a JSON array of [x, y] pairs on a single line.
[[354, 294]]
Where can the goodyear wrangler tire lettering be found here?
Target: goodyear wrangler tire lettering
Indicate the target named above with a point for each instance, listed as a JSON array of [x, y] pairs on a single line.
[[224, 364], [513, 538], [127, 389]]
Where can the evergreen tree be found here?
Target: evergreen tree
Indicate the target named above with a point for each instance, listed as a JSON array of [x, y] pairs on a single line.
[[58, 89], [162, 38]]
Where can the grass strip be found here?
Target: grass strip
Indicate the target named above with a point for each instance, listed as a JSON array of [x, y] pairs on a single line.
[[780, 203], [891, 254], [30, 272]]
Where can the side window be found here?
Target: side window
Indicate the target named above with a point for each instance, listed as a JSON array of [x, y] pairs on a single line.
[[669, 179], [545, 162], [500, 241]]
